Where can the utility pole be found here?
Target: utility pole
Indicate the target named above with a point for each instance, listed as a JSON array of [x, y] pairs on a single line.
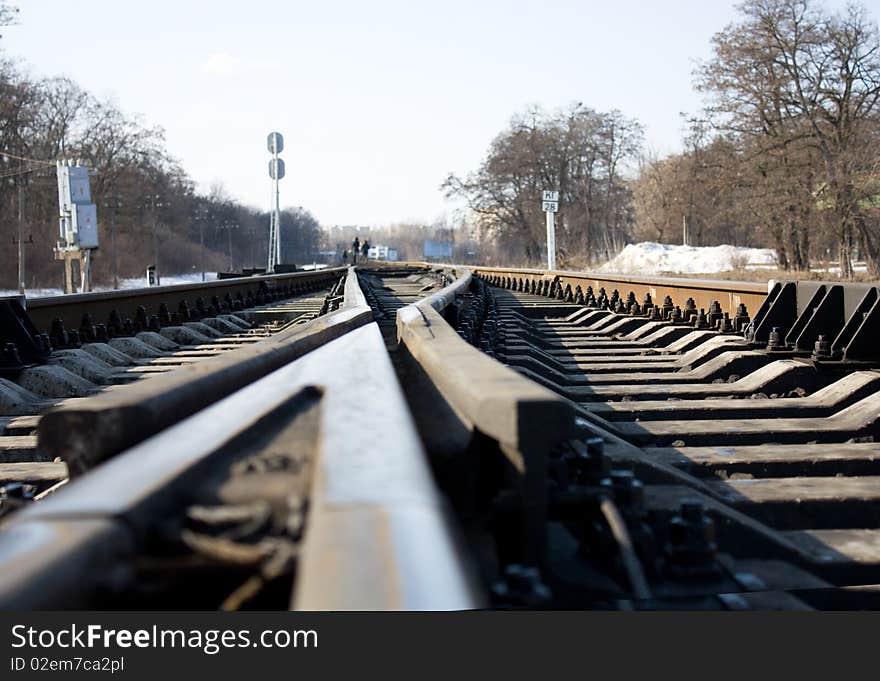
[[153, 204], [21, 273], [229, 237], [229, 226], [114, 204], [202, 247], [201, 216], [550, 204]]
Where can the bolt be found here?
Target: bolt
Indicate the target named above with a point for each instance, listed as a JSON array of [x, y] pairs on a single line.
[[777, 341], [628, 491], [715, 313], [822, 348], [741, 318], [591, 466], [114, 323], [10, 357], [59, 333], [691, 542]]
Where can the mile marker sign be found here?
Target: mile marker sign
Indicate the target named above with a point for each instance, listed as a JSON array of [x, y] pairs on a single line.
[[550, 205]]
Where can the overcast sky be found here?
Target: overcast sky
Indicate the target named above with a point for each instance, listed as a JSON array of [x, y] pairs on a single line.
[[377, 100]]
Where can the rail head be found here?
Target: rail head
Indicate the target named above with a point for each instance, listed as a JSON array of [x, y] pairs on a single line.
[[94, 428], [376, 535], [440, 300], [489, 399], [100, 304], [495, 399], [750, 287], [354, 296]]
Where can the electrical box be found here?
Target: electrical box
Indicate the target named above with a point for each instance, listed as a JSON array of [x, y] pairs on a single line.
[[79, 185], [78, 216], [85, 225]]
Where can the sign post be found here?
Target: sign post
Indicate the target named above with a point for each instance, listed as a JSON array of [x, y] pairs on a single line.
[[550, 204], [275, 144]]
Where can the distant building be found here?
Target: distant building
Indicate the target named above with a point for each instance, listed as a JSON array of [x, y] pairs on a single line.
[[380, 252], [436, 250]]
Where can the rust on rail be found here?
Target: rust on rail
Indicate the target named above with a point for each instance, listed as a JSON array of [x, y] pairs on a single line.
[[729, 294]]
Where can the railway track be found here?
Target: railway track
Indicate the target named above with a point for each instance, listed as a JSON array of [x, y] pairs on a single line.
[[430, 437], [115, 357], [769, 415]]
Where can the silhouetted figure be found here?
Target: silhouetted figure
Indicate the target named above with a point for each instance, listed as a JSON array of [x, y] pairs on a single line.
[[345, 256], [355, 249], [365, 249]]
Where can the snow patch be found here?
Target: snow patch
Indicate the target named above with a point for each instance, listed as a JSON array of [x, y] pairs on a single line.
[[653, 258], [132, 283]]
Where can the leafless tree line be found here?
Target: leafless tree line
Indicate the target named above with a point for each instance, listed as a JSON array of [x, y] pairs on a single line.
[[579, 152], [785, 155], [139, 189], [787, 152]]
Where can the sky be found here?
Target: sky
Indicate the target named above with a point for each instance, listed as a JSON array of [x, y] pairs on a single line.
[[377, 101]]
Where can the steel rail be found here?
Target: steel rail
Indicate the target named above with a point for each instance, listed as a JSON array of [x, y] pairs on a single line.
[[729, 293], [88, 430], [71, 308], [377, 534], [525, 419]]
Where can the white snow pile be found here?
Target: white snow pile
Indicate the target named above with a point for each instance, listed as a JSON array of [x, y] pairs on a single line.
[[653, 258]]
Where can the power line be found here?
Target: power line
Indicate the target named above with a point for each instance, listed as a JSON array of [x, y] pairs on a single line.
[[25, 158], [20, 171]]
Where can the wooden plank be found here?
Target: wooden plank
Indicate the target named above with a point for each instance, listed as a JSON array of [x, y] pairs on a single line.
[[861, 418], [799, 490], [839, 546], [774, 460], [33, 472], [823, 402], [17, 447], [806, 503], [20, 425]]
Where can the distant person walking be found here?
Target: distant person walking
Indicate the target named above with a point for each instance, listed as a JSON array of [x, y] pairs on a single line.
[[355, 249], [365, 249]]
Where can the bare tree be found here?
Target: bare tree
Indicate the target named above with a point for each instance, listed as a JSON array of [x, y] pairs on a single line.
[[581, 153], [800, 88]]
